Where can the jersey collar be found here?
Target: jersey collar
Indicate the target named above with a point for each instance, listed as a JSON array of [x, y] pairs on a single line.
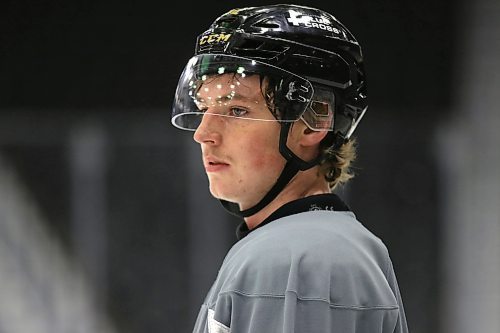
[[329, 202]]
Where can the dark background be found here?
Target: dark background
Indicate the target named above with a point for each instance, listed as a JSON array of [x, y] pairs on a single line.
[[112, 67]]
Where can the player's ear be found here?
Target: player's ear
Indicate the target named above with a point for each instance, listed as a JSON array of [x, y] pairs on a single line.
[[304, 136], [311, 138]]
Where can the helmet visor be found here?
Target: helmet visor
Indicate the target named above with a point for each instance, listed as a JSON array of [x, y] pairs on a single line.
[[237, 89]]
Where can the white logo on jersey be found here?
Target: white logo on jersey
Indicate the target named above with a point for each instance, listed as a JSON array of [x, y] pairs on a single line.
[[214, 326], [314, 208]]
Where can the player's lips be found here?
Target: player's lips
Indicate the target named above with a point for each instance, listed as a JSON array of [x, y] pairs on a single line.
[[213, 164]]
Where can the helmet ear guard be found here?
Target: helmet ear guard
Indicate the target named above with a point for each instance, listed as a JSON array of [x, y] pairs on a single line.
[[320, 113]]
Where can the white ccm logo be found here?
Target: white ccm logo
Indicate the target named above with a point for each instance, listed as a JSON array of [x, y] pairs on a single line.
[[298, 19]]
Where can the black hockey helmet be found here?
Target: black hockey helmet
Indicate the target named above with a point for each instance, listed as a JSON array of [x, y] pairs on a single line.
[[316, 65], [304, 41]]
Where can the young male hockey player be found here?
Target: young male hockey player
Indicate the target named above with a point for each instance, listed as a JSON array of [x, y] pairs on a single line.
[[273, 94]]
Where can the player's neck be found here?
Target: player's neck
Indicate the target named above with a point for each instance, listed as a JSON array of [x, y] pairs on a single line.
[[304, 184]]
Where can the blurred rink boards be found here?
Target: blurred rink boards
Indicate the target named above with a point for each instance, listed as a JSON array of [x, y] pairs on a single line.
[[42, 289]]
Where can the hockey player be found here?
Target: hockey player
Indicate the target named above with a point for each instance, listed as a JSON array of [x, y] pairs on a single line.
[[274, 94]]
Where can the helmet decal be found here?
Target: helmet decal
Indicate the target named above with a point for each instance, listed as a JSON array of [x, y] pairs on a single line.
[[294, 93], [214, 39], [234, 11], [299, 19]]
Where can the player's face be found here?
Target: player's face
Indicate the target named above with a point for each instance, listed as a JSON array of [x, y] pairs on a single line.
[[240, 154]]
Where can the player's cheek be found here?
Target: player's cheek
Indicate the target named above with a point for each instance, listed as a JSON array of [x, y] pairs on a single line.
[[261, 150], [265, 158]]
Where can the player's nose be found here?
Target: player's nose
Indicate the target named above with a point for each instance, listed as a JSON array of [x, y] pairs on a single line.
[[208, 132]]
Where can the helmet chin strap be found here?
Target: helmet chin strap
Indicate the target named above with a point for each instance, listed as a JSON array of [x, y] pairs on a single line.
[[292, 167]]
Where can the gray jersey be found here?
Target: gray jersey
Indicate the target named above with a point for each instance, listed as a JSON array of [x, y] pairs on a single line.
[[317, 271]]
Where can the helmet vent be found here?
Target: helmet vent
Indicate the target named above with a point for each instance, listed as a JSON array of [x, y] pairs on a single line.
[[267, 24], [250, 44], [228, 22], [259, 49]]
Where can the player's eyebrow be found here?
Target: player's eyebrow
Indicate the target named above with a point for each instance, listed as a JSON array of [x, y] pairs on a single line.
[[226, 98]]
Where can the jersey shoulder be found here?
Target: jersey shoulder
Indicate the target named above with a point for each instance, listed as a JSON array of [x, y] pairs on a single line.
[[318, 255]]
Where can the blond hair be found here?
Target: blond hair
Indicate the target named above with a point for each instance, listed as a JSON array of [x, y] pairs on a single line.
[[335, 163]]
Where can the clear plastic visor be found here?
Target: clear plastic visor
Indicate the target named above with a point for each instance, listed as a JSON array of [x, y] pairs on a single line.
[[238, 89]]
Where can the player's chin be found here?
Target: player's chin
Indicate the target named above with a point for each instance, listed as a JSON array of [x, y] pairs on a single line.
[[217, 191], [222, 193]]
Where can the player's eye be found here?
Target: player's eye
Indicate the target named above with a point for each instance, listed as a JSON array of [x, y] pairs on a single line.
[[238, 112]]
